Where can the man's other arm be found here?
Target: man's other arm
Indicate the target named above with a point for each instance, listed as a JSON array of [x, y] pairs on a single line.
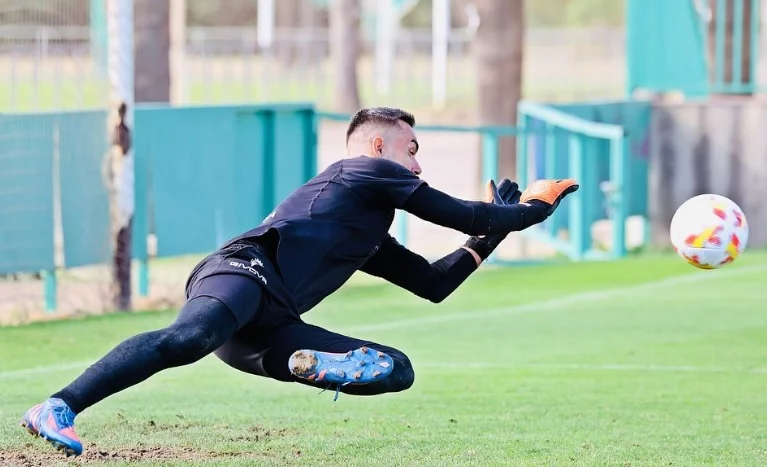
[[411, 271]]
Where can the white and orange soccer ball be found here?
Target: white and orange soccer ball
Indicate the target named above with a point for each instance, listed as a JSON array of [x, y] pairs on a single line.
[[709, 231]]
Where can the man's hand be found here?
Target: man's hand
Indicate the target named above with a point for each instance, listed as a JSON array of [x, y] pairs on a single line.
[[549, 192], [506, 193]]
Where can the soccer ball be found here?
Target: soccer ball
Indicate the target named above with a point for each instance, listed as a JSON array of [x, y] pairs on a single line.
[[709, 231]]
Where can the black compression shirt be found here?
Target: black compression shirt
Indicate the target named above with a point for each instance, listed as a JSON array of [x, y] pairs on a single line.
[[338, 223]]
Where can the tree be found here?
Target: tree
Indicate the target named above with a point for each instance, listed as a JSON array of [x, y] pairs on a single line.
[[151, 83], [498, 52], [152, 50], [344, 52]]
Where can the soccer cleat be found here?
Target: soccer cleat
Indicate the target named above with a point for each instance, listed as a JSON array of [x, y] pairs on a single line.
[[54, 421], [361, 366]]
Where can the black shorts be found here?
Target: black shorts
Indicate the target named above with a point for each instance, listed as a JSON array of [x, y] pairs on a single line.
[[269, 328], [242, 277]]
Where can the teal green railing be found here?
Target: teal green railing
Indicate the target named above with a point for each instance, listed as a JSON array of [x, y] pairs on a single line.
[[582, 160]]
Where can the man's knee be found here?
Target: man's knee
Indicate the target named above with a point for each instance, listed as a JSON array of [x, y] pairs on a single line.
[[184, 344], [196, 333], [403, 373], [402, 376]]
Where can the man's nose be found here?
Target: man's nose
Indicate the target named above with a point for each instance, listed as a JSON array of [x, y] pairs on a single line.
[[416, 167]]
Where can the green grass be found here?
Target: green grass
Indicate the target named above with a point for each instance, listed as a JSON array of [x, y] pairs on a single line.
[[48, 96], [598, 364]]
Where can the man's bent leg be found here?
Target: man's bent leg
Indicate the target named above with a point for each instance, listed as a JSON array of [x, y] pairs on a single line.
[[203, 324], [268, 353]]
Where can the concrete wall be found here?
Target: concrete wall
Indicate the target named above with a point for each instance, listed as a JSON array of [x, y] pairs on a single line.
[[708, 147]]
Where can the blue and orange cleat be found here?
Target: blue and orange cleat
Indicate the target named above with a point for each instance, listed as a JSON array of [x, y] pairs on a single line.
[[54, 421], [361, 366]]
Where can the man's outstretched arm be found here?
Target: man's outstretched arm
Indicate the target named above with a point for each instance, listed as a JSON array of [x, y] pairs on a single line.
[[483, 218], [411, 271]]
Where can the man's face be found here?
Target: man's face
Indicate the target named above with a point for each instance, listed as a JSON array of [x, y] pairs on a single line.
[[400, 145]]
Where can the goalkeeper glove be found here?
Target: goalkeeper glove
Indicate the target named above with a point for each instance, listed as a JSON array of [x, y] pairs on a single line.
[[506, 193], [548, 192]]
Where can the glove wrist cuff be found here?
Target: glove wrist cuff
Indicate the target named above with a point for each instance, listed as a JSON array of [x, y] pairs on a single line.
[[479, 247]]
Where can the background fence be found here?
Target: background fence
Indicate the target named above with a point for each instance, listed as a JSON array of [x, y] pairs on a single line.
[[53, 57], [53, 68]]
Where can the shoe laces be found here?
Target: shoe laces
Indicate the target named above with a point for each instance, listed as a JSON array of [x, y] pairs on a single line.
[[63, 415], [338, 387]]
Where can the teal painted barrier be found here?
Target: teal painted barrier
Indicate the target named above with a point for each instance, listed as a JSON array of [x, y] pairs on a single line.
[[202, 175], [579, 140], [26, 193], [50, 167], [635, 118], [207, 174], [668, 43], [736, 83]]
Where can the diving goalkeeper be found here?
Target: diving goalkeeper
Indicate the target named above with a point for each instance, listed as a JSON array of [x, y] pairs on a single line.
[[245, 301]]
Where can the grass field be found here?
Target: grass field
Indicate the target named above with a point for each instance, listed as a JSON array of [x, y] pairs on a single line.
[[69, 84], [643, 362]]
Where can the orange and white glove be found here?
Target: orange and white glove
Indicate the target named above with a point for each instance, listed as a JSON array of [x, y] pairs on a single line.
[[549, 192]]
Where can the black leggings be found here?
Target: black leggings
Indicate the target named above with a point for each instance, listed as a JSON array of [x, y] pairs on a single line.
[[204, 325], [266, 353]]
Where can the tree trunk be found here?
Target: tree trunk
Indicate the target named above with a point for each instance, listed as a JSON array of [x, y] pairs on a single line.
[[344, 52], [288, 17], [729, 41], [151, 83], [152, 49], [118, 162], [498, 51]]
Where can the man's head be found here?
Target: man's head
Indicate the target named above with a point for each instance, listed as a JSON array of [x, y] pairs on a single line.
[[384, 132]]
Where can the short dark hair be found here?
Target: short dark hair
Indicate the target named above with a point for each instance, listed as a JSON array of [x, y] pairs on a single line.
[[380, 115]]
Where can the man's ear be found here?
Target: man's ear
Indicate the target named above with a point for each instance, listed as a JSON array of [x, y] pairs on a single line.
[[377, 146]]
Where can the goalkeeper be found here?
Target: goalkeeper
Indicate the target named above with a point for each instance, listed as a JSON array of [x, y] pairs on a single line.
[[245, 301]]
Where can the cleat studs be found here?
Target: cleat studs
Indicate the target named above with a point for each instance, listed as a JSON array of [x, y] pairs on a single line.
[[358, 375], [364, 349], [376, 373], [381, 355], [384, 364]]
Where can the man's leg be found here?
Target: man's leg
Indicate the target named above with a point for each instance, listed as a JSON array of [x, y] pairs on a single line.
[[206, 321], [281, 353]]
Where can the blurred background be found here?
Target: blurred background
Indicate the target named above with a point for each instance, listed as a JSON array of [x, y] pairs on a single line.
[[230, 105], [232, 52]]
